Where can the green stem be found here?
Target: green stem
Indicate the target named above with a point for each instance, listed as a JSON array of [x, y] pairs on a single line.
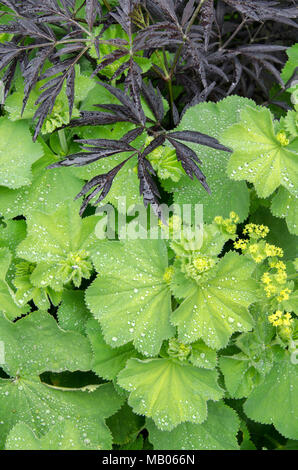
[[63, 141]]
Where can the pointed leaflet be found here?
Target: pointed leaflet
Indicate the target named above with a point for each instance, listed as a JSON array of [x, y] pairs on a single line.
[[218, 432], [260, 156], [217, 307], [275, 400], [226, 195], [36, 344], [17, 153], [61, 436], [59, 244], [169, 392], [132, 301], [107, 362]]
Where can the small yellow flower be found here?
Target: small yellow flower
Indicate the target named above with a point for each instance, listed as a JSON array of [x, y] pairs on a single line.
[[282, 138], [253, 248], [234, 217], [284, 294], [272, 250], [266, 279], [168, 275], [256, 231], [240, 244], [218, 220]]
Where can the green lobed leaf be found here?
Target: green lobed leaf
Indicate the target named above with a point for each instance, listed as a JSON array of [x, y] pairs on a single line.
[[41, 406], [107, 362], [132, 301], [17, 153], [61, 436], [59, 244], [275, 400], [35, 344], [226, 195], [259, 156], [218, 432], [218, 306], [169, 392], [48, 191]]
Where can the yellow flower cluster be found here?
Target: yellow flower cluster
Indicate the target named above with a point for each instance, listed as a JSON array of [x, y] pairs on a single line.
[[202, 263], [283, 320], [198, 266], [284, 294], [168, 275], [228, 225], [274, 281], [282, 138], [256, 231], [272, 250], [240, 244]]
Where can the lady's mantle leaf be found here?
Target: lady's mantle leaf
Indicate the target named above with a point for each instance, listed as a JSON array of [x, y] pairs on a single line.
[[169, 392], [48, 191], [260, 156], [218, 306], [226, 195], [132, 300], [41, 406], [36, 344], [275, 401], [61, 436], [285, 204], [17, 153], [107, 362], [218, 432], [59, 243]]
